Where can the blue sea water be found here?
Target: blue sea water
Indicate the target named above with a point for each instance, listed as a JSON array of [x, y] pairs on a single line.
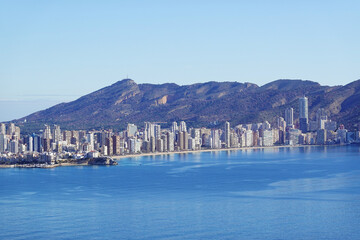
[[285, 193]]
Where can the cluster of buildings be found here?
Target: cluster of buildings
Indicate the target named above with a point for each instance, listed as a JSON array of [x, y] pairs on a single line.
[[53, 143]]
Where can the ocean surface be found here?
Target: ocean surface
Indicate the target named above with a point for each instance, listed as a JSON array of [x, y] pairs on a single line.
[[280, 193]]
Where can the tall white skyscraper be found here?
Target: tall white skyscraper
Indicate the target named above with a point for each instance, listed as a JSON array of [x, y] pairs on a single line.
[[289, 117], [182, 127], [30, 146], [57, 133], [227, 134], [215, 137], [149, 131], [90, 140], [47, 132], [174, 127], [157, 131], [170, 141], [152, 130]]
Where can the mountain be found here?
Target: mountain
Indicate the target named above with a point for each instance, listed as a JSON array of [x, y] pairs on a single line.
[[199, 104]]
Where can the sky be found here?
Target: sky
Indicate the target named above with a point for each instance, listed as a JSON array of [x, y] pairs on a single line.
[[56, 51]]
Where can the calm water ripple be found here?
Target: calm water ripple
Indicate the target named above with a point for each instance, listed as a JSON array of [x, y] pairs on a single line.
[[285, 193]]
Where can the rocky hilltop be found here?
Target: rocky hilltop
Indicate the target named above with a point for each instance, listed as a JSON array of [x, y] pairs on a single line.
[[200, 104]]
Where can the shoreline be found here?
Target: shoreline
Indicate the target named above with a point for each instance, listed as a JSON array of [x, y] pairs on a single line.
[[100, 161], [41, 165], [215, 150], [118, 158]]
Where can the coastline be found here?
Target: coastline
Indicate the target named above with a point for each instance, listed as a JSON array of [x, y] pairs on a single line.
[[118, 158], [100, 161], [42, 165]]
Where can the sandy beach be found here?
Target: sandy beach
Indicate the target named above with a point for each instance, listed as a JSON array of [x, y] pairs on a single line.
[[209, 150]]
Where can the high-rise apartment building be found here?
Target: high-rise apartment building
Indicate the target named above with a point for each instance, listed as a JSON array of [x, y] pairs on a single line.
[[157, 131], [2, 128], [174, 127], [57, 137], [289, 117], [11, 129], [303, 114], [303, 107], [116, 145], [150, 131], [47, 132], [215, 137], [14, 147], [183, 140], [3, 143], [321, 118], [109, 145], [281, 123], [182, 127], [67, 136], [227, 134], [170, 141], [37, 145]]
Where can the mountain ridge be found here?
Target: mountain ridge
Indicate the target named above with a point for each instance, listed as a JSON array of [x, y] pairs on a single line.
[[200, 104]]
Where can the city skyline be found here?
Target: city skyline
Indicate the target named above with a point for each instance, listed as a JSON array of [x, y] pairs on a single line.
[[53, 146]]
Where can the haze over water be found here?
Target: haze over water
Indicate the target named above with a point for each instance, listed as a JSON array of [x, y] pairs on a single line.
[[284, 193]]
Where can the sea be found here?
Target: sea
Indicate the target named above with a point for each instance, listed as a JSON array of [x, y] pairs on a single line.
[[273, 193]]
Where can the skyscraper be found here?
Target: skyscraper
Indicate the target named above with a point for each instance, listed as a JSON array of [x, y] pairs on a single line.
[[170, 141], [289, 117], [11, 129], [215, 137], [281, 123], [47, 132], [304, 115], [37, 142], [227, 134], [150, 129], [183, 140], [303, 107], [30, 146], [90, 140], [14, 146], [57, 133], [182, 127], [174, 127], [157, 131], [3, 143], [321, 118], [2, 128]]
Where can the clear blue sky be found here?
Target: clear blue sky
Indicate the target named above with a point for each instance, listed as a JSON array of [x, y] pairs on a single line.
[[54, 51]]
